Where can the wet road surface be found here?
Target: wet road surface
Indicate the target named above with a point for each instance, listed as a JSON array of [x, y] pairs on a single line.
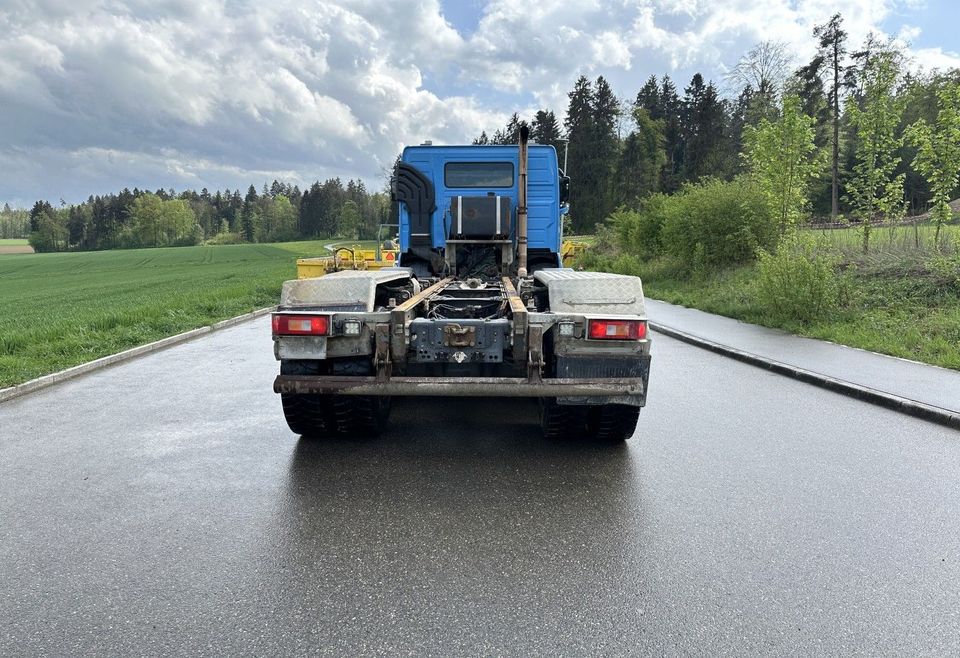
[[162, 507]]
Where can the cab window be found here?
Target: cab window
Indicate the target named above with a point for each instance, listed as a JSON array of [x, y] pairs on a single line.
[[478, 174]]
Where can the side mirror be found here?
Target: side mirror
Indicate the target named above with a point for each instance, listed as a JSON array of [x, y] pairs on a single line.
[[564, 189]]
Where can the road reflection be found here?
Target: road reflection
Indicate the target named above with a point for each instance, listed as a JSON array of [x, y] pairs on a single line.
[[461, 507]]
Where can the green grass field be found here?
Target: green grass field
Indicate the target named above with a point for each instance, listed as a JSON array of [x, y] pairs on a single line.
[[14, 242], [363, 244], [60, 310], [892, 239]]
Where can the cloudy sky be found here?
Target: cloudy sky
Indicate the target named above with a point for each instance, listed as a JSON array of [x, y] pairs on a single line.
[[97, 95]]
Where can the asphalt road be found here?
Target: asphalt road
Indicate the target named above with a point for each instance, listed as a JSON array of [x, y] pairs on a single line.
[[162, 507]]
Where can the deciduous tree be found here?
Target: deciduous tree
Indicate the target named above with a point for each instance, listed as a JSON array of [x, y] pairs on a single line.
[[938, 152], [781, 156], [874, 189]]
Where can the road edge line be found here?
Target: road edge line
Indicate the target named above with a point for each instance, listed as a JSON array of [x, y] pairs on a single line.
[[881, 398], [53, 378]]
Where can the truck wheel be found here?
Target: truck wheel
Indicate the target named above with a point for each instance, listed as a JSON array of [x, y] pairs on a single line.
[[308, 415], [562, 422], [613, 423], [360, 415]]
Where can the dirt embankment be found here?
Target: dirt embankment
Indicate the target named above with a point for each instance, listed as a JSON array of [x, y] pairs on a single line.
[[16, 249]]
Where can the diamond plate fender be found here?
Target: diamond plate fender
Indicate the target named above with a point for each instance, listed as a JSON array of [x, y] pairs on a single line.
[[348, 290], [590, 293]]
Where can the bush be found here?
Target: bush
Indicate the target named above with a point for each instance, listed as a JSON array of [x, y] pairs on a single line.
[[946, 268], [225, 238], [713, 223], [705, 226], [638, 232], [799, 281]]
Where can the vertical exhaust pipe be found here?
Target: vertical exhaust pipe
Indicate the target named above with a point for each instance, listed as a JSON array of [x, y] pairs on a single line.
[[522, 203]]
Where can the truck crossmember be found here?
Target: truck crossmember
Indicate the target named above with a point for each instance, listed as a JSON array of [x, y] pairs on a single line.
[[461, 386]]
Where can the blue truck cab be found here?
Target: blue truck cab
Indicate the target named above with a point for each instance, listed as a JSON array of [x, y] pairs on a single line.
[[434, 182]]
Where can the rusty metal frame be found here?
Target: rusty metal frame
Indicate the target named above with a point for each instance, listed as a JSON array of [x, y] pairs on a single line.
[[381, 358], [520, 320], [401, 316], [535, 362], [459, 386]]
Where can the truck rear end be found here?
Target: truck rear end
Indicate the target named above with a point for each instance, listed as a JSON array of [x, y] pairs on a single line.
[[478, 306]]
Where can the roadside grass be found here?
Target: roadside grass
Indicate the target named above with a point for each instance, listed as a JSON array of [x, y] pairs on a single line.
[[63, 309], [893, 302]]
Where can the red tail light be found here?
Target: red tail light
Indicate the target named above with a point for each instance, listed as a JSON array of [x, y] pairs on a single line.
[[617, 329], [301, 325]]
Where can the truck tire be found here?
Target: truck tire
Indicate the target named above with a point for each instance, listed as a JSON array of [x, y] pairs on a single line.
[[309, 415], [360, 415], [613, 423], [324, 415], [562, 422]]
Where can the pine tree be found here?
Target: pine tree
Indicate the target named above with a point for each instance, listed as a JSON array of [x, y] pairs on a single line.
[[832, 40], [704, 130], [648, 98], [808, 85], [740, 119], [580, 132], [670, 111], [248, 215], [606, 110], [310, 211], [38, 212], [641, 160], [510, 134], [545, 129]]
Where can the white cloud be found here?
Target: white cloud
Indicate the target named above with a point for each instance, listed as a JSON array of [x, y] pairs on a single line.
[[936, 58], [100, 94], [908, 33]]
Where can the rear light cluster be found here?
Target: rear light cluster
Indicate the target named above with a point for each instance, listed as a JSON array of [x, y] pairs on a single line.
[[617, 329], [301, 325]]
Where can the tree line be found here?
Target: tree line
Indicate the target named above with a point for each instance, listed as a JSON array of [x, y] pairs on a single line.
[[14, 223], [866, 112], [165, 218]]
